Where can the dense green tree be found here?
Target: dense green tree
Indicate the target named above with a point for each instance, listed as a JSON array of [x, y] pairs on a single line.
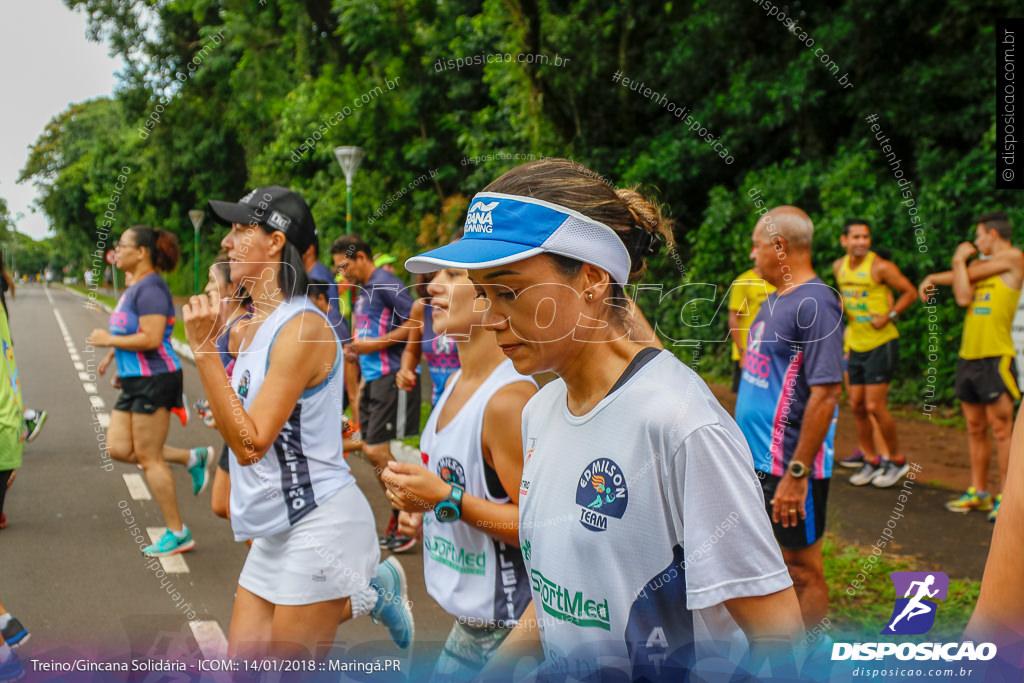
[[222, 95]]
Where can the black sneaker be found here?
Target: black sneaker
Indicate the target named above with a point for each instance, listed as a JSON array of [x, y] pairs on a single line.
[[388, 538], [14, 633], [399, 544]]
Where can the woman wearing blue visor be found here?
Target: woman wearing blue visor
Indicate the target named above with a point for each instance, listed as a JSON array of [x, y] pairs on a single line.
[[641, 523]]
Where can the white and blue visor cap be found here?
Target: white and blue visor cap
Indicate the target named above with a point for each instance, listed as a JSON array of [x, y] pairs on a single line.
[[504, 228]]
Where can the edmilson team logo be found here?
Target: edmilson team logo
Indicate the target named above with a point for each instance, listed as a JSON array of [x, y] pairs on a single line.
[[914, 613], [601, 494], [243, 385], [451, 471]]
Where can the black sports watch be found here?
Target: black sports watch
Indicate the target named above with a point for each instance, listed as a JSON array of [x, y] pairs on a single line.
[[450, 509], [798, 470]]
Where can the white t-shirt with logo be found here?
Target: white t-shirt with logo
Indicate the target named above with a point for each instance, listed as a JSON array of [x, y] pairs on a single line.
[[637, 521], [471, 574], [305, 465]]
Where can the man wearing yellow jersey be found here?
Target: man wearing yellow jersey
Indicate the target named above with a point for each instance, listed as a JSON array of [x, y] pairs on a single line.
[[986, 375], [746, 294], [865, 280]]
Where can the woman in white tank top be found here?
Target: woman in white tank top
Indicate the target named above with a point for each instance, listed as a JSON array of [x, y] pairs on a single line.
[[313, 559], [464, 498], [642, 524]]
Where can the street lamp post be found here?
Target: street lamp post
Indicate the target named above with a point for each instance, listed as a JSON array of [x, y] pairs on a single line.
[[196, 216], [349, 159]]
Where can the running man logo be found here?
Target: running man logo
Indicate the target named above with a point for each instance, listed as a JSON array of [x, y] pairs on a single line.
[[601, 494], [914, 613], [479, 217]]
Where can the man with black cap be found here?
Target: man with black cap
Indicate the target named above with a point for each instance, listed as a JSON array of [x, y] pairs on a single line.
[[386, 412]]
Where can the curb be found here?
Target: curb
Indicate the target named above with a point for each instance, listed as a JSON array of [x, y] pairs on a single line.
[[183, 350]]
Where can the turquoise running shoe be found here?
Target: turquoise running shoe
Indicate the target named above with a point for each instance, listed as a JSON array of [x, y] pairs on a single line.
[[170, 544], [200, 477]]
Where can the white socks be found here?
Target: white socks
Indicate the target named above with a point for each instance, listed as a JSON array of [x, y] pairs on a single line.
[[364, 601]]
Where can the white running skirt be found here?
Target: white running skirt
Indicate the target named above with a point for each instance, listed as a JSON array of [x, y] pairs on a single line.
[[330, 553]]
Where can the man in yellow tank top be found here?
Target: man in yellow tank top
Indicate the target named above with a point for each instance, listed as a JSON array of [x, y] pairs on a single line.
[[986, 376], [746, 294], [866, 281]]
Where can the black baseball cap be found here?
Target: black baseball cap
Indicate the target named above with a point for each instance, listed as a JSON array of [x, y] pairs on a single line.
[[273, 207]]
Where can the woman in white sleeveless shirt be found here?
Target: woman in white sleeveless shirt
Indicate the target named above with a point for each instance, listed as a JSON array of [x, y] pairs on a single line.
[[464, 498], [642, 524], [314, 547]]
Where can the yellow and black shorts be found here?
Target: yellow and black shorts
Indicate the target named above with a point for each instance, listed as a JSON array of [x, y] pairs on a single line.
[[983, 380]]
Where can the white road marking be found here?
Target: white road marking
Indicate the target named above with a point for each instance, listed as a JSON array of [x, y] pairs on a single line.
[[89, 387], [103, 419], [84, 376], [97, 402], [172, 564], [210, 639], [79, 366], [137, 488]]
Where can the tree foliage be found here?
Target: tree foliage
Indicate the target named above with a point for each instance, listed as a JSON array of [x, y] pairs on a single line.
[[222, 95]]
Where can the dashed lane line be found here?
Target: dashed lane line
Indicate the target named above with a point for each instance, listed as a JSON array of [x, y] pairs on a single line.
[[137, 488], [210, 639]]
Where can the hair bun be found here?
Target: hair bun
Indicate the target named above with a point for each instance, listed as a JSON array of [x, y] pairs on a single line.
[[650, 232], [647, 215]]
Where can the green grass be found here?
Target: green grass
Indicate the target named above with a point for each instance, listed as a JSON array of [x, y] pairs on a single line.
[[177, 333], [867, 611], [414, 441]]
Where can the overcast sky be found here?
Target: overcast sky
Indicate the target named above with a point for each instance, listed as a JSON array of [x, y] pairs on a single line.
[[48, 64]]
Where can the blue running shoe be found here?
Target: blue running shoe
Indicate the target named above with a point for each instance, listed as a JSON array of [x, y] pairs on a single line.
[[170, 544], [392, 608], [14, 633], [198, 471], [11, 670]]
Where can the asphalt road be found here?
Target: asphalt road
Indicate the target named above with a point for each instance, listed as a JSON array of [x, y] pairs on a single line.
[[70, 568]]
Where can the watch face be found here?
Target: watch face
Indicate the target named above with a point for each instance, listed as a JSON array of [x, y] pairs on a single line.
[[446, 512]]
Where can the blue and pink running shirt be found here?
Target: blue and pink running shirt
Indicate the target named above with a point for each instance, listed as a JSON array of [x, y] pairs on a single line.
[[795, 342], [441, 353], [382, 304], [148, 296]]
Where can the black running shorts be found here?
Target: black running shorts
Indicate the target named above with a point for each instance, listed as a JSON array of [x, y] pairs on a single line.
[[386, 412], [874, 366], [147, 395], [984, 380], [809, 529]]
